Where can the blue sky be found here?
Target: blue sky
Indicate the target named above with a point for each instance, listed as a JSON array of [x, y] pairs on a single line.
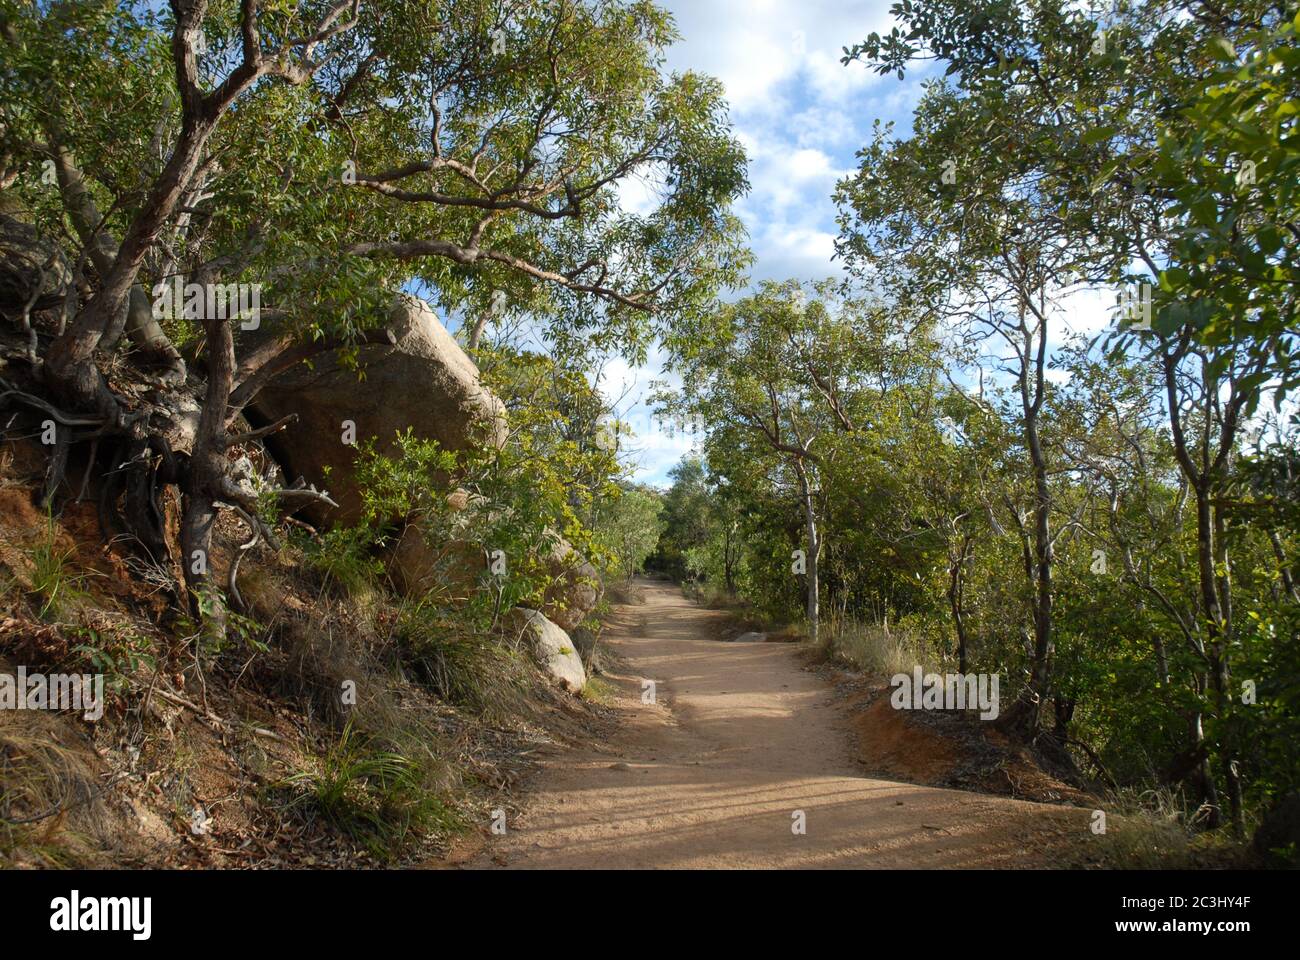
[[801, 116]]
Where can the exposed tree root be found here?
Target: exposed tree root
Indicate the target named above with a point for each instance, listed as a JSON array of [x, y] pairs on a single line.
[[133, 471]]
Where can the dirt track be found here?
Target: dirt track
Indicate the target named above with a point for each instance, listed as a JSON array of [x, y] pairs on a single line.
[[741, 737]]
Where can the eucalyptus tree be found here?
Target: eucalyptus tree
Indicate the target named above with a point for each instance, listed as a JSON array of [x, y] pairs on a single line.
[[332, 153], [1142, 128], [702, 537], [1229, 161], [953, 224], [780, 382], [948, 461], [1138, 573], [1227, 324], [629, 527]]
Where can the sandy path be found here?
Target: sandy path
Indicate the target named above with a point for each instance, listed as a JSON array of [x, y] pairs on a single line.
[[741, 737]]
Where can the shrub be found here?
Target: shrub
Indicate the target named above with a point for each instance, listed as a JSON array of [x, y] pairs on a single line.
[[372, 793]]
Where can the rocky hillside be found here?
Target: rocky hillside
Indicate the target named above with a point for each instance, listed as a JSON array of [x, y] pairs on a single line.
[[383, 680]]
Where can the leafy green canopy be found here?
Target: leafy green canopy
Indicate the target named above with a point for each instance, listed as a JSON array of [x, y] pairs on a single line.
[[1157, 137], [1232, 161], [476, 146]]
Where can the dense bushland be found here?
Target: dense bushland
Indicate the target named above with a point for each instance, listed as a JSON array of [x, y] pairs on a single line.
[[329, 158], [937, 450]]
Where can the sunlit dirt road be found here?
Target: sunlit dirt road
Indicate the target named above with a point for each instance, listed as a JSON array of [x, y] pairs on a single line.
[[742, 746]]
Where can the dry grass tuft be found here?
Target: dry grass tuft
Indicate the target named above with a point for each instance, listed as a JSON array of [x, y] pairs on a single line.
[[52, 812], [873, 648]]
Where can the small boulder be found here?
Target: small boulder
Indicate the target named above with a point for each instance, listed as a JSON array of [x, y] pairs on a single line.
[[554, 651], [752, 637]]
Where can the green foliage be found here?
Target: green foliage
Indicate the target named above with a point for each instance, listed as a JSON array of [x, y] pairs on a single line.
[[345, 555], [1231, 164], [685, 518], [540, 112], [1058, 152], [928, 495], [376, 795], [402, 485], [118, 654], [336, 156], [784, 386], [53, 580], [629, 530]]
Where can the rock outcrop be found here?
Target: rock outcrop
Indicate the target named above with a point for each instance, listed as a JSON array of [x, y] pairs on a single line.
[[32, 269], [453, 565], [422, 380], [554, 651], [574, 589]]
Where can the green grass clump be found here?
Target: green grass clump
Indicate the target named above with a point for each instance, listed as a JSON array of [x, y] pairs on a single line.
[[378, 796], [53, 581]]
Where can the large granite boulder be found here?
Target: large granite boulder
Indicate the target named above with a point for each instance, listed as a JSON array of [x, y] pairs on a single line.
[[422, 380]]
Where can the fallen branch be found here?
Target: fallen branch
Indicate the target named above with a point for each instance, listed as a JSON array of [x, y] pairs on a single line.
[[180, 701], [1096, 761]]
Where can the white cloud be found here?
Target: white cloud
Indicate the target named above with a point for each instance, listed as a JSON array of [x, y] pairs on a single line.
[[653, 455], [800, 115], [1086, 311], [835, 81], [808, 243], [619, 380], [807, 164], [652, 447], [638, 195], [755, 46], [827, 127]]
